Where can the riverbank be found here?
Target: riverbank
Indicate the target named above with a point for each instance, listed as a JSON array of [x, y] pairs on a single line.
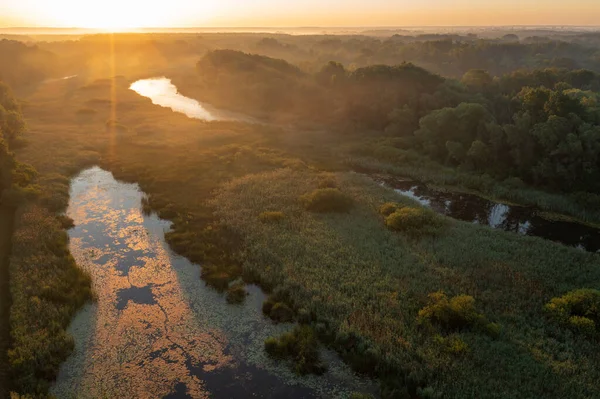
[[6, 229]]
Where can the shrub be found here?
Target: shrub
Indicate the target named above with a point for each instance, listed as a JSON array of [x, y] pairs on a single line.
[[281, 312], [327, 182], [578, 310], [452, 345], [388, 208], [236, 293], [301, 346], [216, 276], [415, 221], [326, 200], [270, 217], [268, 305], [451, 314], [65, 222]]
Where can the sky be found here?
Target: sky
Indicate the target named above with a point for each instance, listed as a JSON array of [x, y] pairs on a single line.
[[120, 14]]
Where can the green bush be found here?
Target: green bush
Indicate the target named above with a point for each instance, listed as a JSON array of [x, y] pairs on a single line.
[[270, 217], [326, 200], [414, 221], [452, 314], [579, 310], [301, 346]]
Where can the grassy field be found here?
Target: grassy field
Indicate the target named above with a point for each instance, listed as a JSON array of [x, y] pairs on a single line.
[[6, 225], [363, 283]]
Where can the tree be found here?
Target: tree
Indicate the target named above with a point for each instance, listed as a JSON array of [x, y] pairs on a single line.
[[560, 104], [533, 101], [332, 73], [479, 153], [477, 79]]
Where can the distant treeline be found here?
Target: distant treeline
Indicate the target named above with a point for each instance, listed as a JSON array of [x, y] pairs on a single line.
[[450, 55], [539, 126], [22, 64]]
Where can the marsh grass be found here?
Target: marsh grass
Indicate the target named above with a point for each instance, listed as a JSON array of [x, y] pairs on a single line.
[[366, 284]]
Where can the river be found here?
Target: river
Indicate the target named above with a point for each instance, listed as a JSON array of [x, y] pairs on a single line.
[[156, 329]]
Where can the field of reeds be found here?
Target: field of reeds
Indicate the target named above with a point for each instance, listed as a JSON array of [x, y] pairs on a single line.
[[375, 294]]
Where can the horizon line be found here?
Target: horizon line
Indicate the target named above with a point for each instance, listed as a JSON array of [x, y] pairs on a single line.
[[314, 27]]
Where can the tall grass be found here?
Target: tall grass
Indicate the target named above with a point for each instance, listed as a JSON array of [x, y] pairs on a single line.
[[366, 285]]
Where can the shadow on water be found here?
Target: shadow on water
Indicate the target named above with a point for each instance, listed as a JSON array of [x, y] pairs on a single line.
[[518, 219], [157, 330]]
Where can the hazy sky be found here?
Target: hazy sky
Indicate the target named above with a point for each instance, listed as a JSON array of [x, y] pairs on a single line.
[[272, 13]]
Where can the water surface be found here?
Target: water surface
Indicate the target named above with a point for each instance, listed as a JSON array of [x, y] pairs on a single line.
[[156, 330], [164, 93]]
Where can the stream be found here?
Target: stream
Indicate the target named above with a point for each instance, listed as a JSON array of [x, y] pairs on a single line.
[[156, 329], [518, 219]]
